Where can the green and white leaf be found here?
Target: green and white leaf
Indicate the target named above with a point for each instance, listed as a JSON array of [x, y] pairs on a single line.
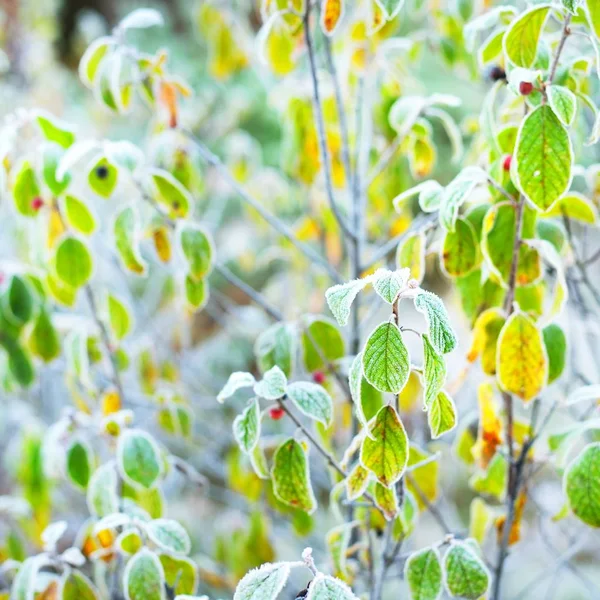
[[236, 381], [442, 415], [169, 535], [441, 334], [563, 102], [429, 192], [119, 317], [386, 362], [197, 248], [313, 400], [246, 427], [544, 158], [273, 385], [102, 497], [263, 583], [340, 298], [139, 459], [424, 575], [522, 37], [73, 262], [388, 284], [465, 574], [355, 378], [276, 346], [144, 577], [582, 485], [324, 587], [434, 371]]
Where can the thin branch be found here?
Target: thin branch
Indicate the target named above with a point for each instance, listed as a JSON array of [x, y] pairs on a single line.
[[318, 108], [277, 224], [565, 33]]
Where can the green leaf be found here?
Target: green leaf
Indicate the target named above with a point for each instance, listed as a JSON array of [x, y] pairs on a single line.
[[442, 415], [55, 130], [386, 455], [324, 587], [434, 371], [103, 177], [340, 298], [556, 349], [126, 239], [563, 102], [76, 586], [430, 194], [388, 283], [246, 427], [51, 156], [197, 247], [79, 463], [273, 384], [465, 574], [263, 583], [102, 498], [582, 485], [169, 536], [43, 340], [73, 262], [441, 334], [423, 573], [460, 253], [92, 58], [168, 192], [592, 9], [492, 481], [181, 573], [144, 577], [196, 292], [276, 346], [119, 317], [321, 341], [357, 482], [18, 301], [19, 363], [291, 477], [139, 459], [575, 206], [78, 215], [236, 381], [25, 190], [571, 5], [386, 500], [523, 35], [24, 583], [386, 362], [355, 380], [544, 157], [312, 400], [456, 194]]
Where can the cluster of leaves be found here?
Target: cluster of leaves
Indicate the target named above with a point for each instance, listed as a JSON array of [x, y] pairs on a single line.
[[500, 231]]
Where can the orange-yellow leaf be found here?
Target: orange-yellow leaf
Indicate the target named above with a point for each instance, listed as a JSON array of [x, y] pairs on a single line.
[[489, 435], [331, 15]]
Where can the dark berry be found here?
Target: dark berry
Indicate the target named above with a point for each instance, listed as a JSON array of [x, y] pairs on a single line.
[[497, 73], [506, 162], [37, 203], [276, 413], [102, 172], [525, 88], [319, 377]]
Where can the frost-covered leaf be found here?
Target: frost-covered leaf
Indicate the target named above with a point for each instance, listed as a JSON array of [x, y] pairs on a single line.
[[78, 215], [324, 587], [263, 583], [313, 400], [126, 234], [73, 262], [441, 334], [386, 455], [79, 463], [442, 415], [103, 177], [276, 346], [388, 283], [523, 35], [357, 482], [582, 485], [410, 255], [522, 363], [169, 535], [340, 298], [198, 249], [144, 577], [465, 574], [102, 498], [54, 130], [544, 157], [139, 459], [273, 385], [574, 206], [170, 194], [571, 5], [386, 362], [387, 500], [76, 586], [563, 102], [236, 381], [457, 192], [246, 427], [119, 317], [291, 476], [434, 371], [142, 18], [423, 573], [430, 194], [355, 379], [196, 292], [181, 573]]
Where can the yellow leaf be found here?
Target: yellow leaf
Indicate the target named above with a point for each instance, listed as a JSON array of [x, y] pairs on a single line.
[[331, 15], [522, 363], [485, 336], [111, 402], [162, 243]]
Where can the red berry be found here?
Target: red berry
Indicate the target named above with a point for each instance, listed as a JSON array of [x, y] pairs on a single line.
[[507, 161], [276, 413], [1, 278], [37, 203], [525, 88], [319, 377]]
